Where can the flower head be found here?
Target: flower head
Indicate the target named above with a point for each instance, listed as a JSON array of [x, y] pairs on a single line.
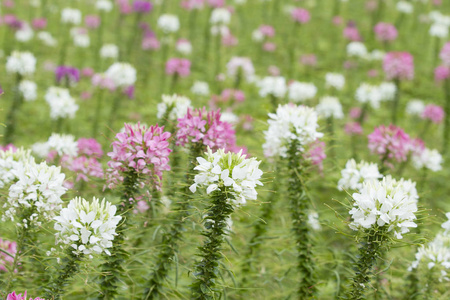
[[444, 55], [433, 113], [14, 296], [300, 15], [385, 32], [142, 6], [178, 66], [68, 73], [355, 174], [390, 143], [275, 86], [122, 74], [430, 159], [330, 107], [301, 91], [399, 65], [23, 63], [173, 107], [10, 160], [6, 261]]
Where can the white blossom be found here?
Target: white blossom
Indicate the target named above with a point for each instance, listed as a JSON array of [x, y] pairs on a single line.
[[25, 33], [275, 86], [47, 38], [104, 5], [353, 175], [63, 144], [241, 64], [335, 80], [109, 51], [404, 7], [220, 16], [330, 107], [175, 105], [430, 159], [415, 107], [80, 37], [71, 16], [23, 63], [122, 74], [367, 93], [10, 160], [313, 221], [357, 49], [387, 91], [62, 105], [168, 23], [200, 88], [301, 91], [28, 89]]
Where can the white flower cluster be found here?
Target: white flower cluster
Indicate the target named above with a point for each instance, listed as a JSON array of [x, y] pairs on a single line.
[[23, 63], [335, 80], [168, 23], [430, 159], [330, 107], [355, 174], [25, 33], [175, 106], [404, 7], [415, 107], [290, 122], [440, 24], [38, 186], [28, 89], [301, 91], [200, 88], [241, 64], [357, 49], [229, 117], [80, 37], [387, 203], [313, 221], [104, 5], [71, 16], [62, 105], [47, 38], [10, 160], [374, 94], [220, 18], [63, 144], [122, 74], [275, 86], [230, 171], [88, 227], [184, 47], [109, 51]]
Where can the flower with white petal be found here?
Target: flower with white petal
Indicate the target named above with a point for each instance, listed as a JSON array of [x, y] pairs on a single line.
[[122, 74], [28, 89], [104, 5], [354, 174], [301, 91], [62, 105], [200, 88], [168, 23], [173, 107], [109, 51], [446, 224], [10, 160], [23, 63], [367, 93], [330, 107], [415, 107], [230, 172], [88, 227], [71, 16], [242, 65], [313, 221], [220, 16], [387, 91], [63, 144], [430, 159], [25, 33], [335, 80], [357, 49], [404, 7], [274, 86], [47, 38]]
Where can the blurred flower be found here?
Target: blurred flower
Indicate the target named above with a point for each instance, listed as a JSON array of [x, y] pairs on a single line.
[[178, 66], [399, 65], [142, 6], [355, 174], [71, 16], [274, 86], [168, 23], [330, 107], [385, 32], [390, 143], [335, 80], [441, 73], [433, 113], [300, 15], [430, 159], [200, 88], [415, 107], [68, 73], [122, 74], [92, 21], [23, 63], [173, 107], [353, 128], [39, 23], [28, 89]]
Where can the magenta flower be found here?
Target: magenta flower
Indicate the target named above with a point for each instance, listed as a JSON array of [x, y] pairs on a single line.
[[68, 73], [92, 21], [441, 73], [316, 153], [150, 43], [390, 143], [351, 32], [129, 92], [433, 113], [445, 54], [87, 72], [103, 82], [200, 126], [12, 21], [399, 65], [300, 15], [216, 3], [14, 296], [142, 150], [192, 4], [39, 23], [7, 260], [8, 147], [267, 30], [178, 66], [89, 147], [353, 128], [125, 7], [385, 32], [141, 6]]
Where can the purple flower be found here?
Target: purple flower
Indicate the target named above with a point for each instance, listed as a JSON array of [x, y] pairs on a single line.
[[142, 6], [66, 72]]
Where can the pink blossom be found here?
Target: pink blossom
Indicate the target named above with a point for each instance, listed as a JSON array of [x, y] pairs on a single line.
[[267, 30], [8, 147], [351, 33], [216, 3], [201, 126], [337, 20], [269, 47], [355, 112], [14, 296], [441, 73], [433, 113], [273, 71], [92, 21], [87, 72], [83, 167], [390, 143], [300, 15], [445, 54], [385, 32], [141, 207], [308, 60], [125, 7], [39, 23], [417, 146], [150, 43], [103, 82], [6, 261], [372, 73], [8, 3], [178, 66], [316, 153], [229, 40], [89, 147], [371, 5], [353, 128], [86, 95], [142, 150], [193, 4], [399, 65]]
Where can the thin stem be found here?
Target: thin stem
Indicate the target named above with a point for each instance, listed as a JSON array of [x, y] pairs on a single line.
[[396, 102], [446, 130], [97, 114], [12, 114]]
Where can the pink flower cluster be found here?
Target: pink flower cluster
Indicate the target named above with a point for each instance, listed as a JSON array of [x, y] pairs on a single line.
[[103, 82], [8, 147], [201, 126], [351, 32], [300, 15], [227, 96], [316, 153], [353, 128], [445, 54], [142, 150], [433, 113], [399, 65], [385, 32], [7, 260], [14, 296], [179, 66], [441, 73], [192, 4]]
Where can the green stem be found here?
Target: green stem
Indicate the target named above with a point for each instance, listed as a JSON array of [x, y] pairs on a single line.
[[97, 114], [274, 102], [446, 130], [12, 114], [396, 102]]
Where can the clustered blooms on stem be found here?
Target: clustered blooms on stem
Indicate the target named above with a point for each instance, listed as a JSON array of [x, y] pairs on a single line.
[[14, 296], [433, 113], [274, 86], [301, 91], [429, 159], [71, 74], [330, 107], [122, 74], [5, 259], [300, 15], [228, 170], [290, 122], [385, 32], [62, 105], [355, 174], [173, 107], [142, 150], [23, 63], [399, 65], [38, 187], [388, 204], [201, 126], [87, 227], [178, 66], [11, 160]]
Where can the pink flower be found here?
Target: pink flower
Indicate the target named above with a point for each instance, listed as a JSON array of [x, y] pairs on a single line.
[[179, 66], [150, 43], [201, 126], [399, 65], [390, 143], [89, 147], [8, 147], [229, 40], [269, 47], [87, 72], [216, 3], [103, 82], [141, 207], [308, 60], [355, 112], [316, 153], [385, 32], [6, 260], [92, 21], [445, 54], [433, 113], [39, 23], [83, 167], [273, 71], [417, 146], [441, 73], [351, 32], [192, 4], [337, 20], [372, 73], [267, 30], [14, 296], [353, 128], [300, 15], [86, 95], [125, 7], [142, 150]]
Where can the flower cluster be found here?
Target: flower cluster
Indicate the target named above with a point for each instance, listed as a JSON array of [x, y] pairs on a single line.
[[274, 86], [38, 187], [230, 172], [415, 107], [433, 113], [23, 63], [429, 159], [28, 89], [173, 107], [374, 94], [354, 175], [390, 143], [168, 23], [62, 105], [88, 227], [142, 150], [301, 91], [385, 32], [7, 260], [122, 74], [10, 160], [399, 65], [14, 296], [386, 203], [71, 74], [178, 66], [330, 107], [290, 122], [335, 80], [207, 128], [300, 15], [241, 64]]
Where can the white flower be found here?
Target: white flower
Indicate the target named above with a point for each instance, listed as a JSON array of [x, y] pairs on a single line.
[[241, 64], [169, 23], [10, 161], [220, 16], [221, 30], [122, 74], [229, 117], [71, 16], [40, 149], [430, 159], [313, 221], [184, 47], [290, 122], [257, 36], [301, 91], [28, 89], [47, 38], [200, 88], [38, 186], [62, 105], [415, 107], [385, 204], [80, 37], [23, 63], [367, 93], [335, 80], [25, 33], [404, 7], [439, 30], [109, 51], [89, 228], [63, 144], [376, 55], [355, 174], [387, 91], [228, 171], [357, 49], [446, 224], [104, 5], [274, 86], [173, 107], [330, 107]]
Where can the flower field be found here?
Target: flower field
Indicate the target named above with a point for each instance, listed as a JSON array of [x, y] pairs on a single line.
[[224, 149]]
